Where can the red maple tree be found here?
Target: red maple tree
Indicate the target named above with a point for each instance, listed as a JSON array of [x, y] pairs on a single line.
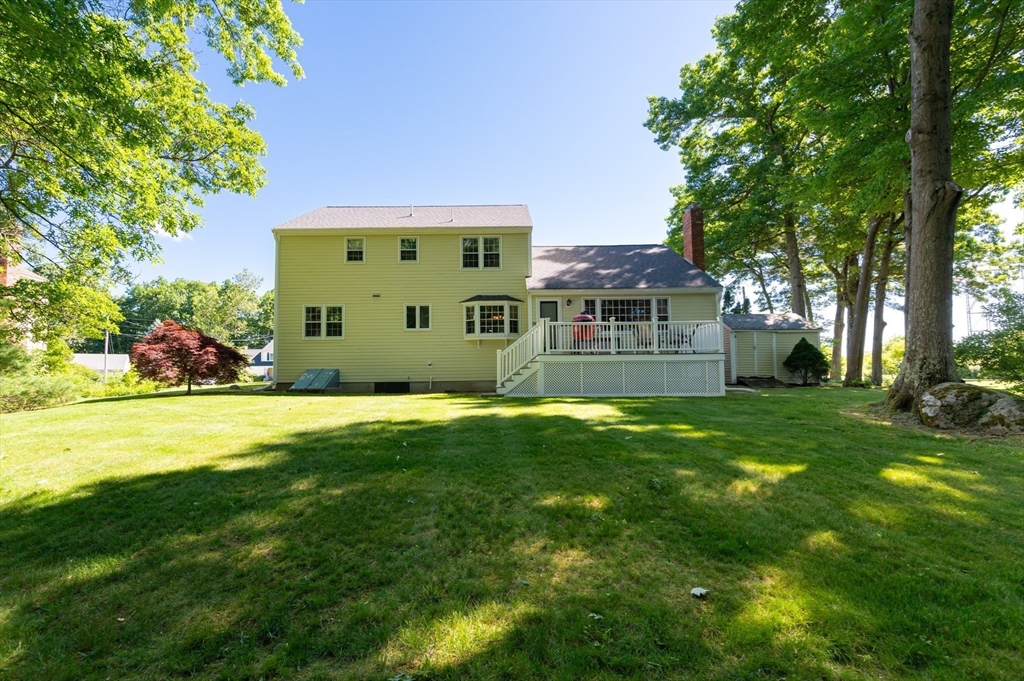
[[174, 355]]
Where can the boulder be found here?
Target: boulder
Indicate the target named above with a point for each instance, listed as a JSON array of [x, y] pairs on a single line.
[[1005, 416], [960, 405]]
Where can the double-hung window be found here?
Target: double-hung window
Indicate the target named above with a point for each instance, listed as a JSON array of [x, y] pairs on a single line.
[[408, 249], [491, 320], [417, 317], [661, 305], [355, 249], [481, 252], [323, 321]]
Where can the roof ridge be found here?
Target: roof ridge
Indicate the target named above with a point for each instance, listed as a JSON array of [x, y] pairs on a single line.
[[598, 245], [432, 205]]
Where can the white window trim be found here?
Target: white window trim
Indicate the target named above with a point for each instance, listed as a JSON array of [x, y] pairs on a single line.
[[355, 262], [480, 252], [654, 309], [477, 320], [598, 299], [400, 249], [430, 312], [323, 322]]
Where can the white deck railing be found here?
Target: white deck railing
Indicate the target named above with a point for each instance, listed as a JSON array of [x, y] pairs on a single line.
[[519, 354], [609, 338]]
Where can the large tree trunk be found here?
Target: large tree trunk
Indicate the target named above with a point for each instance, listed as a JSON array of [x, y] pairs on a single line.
[[837, 330], [879, 324], [907, 219], [797, 285], [808, 306], [189, 390], [935, 197], [852, 280], [859, 318], [764, 292]]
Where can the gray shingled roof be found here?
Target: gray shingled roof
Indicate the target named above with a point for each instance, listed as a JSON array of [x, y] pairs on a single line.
[[787, 321], [372, 217], [495, 298], [614, 267]]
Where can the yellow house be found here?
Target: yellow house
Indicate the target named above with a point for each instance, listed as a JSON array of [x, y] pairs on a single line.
[[429, 298]]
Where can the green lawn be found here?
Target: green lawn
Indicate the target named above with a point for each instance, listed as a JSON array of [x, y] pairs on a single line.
[[262, 536]]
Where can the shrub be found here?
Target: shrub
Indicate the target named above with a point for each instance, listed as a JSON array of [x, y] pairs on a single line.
[[23, 391], [807, 362], [128, 384], [13, 359], [994, 354]]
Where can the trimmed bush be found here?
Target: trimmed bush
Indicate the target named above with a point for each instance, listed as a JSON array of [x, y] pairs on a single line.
[[807, 362], [21, 392]]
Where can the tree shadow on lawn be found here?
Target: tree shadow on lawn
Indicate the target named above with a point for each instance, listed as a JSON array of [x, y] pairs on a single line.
[[530, 545]]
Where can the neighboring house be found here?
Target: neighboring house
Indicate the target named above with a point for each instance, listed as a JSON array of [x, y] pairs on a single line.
[[261, 360], [426, 298], [116, 365], [760, 343], [11, 275]]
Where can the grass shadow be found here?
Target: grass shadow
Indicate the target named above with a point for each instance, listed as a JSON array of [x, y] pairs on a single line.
[[540, 539]]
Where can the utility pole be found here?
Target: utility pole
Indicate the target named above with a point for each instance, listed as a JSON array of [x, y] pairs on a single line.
[[106, 349]]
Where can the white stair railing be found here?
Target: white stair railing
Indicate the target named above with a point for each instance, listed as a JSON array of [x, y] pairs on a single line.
[[522, 352]]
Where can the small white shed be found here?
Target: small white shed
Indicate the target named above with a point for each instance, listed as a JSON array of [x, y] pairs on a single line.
[[758, 344]]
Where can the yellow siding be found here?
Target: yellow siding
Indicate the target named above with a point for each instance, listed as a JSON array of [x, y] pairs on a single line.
[[745, 353], [376, 347], [784, 342], [765, 356]]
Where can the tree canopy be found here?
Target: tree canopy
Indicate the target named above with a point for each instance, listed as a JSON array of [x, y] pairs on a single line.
[[792, 137], [173, 355], [109, 139], [232, 311]]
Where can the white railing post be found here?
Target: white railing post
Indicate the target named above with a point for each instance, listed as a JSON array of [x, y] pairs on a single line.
[[615, 336], [655, 334], [501, 373], [544, 325]]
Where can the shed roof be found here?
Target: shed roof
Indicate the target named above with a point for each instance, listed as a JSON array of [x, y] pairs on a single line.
[[650, 266], [94, 360], [397, 217], [786, 321]]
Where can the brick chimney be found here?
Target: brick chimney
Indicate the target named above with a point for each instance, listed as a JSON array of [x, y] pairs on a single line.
[[693, 234]]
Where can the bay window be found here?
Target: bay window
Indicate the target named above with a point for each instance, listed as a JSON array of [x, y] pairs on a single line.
[[491, 319]]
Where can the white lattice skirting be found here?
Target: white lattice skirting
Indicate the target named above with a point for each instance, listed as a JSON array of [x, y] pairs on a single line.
[[604, 376]]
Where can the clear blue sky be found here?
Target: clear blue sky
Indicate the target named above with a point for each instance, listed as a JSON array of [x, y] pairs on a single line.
[[540, 103]]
